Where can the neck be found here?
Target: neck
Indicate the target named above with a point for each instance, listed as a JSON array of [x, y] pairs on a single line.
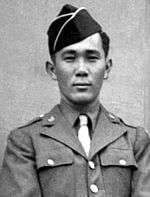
[[90, 107]]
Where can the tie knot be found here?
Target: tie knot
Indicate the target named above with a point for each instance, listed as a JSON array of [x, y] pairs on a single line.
[[83, 120]]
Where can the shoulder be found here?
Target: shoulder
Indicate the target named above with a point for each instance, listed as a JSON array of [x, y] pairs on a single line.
[[34, 126], [140, 132], [136, 133], [30, 125], [22, 135], [114, 119]]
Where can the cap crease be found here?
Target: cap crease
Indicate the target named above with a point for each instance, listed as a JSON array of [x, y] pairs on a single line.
[[73, 15]]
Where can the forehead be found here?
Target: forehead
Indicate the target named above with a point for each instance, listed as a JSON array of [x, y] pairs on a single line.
[[92, 42]]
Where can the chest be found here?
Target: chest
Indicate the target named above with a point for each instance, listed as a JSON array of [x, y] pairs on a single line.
[[62, 171]]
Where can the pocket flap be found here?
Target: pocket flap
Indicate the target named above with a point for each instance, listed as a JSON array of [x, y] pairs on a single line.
[[55, 158], [118, 157]]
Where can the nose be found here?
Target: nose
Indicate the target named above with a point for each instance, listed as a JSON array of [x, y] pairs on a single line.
[[81, 70]]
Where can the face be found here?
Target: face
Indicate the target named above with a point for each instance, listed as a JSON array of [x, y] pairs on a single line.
[[79, 69]]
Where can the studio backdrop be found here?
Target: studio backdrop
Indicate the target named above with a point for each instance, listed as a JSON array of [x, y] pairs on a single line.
[[26, 91]]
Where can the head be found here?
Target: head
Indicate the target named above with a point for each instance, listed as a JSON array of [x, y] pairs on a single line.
[[80, 61]]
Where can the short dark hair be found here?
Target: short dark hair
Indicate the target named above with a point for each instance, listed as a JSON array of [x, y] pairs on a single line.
[[105, 42]]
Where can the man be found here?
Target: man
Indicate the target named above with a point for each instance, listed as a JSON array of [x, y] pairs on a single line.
[[78, 149]]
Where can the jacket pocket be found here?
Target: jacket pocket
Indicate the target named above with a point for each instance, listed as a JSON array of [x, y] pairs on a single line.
[[55, 158], [55, 171], [117, 167], [118, 157]]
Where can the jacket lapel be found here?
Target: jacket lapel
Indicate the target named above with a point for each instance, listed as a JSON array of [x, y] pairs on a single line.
[[107, 131], [56, 126]]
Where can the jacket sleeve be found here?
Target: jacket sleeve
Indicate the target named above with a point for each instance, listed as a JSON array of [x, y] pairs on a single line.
[[18, 176], [141, 177]]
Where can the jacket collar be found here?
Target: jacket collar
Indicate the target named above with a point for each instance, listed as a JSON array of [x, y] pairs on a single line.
[[56, 126], [108, 129], [71, 113]]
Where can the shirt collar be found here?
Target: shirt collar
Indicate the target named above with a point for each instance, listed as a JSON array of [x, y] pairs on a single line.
[[71, 114]]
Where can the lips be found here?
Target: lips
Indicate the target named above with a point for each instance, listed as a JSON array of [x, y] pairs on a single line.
[[82, 84]]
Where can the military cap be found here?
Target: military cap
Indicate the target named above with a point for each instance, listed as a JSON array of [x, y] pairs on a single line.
[[72, 25]]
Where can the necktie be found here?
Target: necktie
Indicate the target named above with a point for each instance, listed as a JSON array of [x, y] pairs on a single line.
[[83, 134]]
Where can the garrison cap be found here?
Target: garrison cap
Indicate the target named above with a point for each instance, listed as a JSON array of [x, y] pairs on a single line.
[[72, 25]]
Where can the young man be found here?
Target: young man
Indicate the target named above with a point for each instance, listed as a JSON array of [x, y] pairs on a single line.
[[78, 149]]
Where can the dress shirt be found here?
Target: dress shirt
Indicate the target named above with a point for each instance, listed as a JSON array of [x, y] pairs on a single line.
[[71, 115]]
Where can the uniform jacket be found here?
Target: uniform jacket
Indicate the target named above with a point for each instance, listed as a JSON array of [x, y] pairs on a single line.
[[45, 159]]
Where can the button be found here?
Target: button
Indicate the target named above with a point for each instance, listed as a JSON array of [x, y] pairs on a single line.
[[122, 162], [51, 119], [94, 188], [50, 162], [92, 165], [42, 115]]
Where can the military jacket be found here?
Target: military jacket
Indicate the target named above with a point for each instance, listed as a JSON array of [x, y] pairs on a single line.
[[45, 159]]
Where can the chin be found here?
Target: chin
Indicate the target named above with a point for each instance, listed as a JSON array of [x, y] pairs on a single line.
[[82, 100]]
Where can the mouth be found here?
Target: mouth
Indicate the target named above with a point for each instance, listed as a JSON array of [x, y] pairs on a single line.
[[82, 85]]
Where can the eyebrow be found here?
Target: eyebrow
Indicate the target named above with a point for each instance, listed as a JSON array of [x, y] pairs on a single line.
[[93, 52], [87, 51], [69, 52]]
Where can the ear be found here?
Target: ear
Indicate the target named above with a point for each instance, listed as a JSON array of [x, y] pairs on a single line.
[[50, 69], [109, 65]]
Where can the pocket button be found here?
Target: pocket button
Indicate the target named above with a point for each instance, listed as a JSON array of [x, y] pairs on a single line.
[[122, 162], [50, 162]]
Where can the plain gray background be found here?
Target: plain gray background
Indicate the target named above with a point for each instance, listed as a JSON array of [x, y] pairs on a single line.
[[26, 91]]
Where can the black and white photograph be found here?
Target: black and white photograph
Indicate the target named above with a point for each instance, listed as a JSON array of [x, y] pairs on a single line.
[[75, 98]]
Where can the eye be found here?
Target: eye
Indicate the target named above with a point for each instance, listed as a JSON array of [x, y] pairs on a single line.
[[69, 58], [93, 58]]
